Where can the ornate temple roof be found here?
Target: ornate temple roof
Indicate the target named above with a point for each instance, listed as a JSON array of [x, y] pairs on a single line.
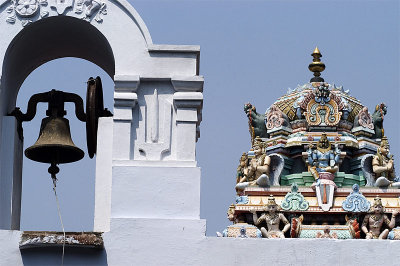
[[291, 100]]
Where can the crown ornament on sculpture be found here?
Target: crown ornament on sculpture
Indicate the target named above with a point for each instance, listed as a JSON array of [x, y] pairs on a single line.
[[320, 158]]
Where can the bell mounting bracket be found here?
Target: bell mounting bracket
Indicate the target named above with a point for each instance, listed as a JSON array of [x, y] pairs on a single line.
[[56, 99]]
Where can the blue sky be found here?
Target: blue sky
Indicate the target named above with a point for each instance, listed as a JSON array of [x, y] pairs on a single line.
[[251, 51]]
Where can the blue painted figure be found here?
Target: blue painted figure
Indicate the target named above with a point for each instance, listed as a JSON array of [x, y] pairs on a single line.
[[323, 158]]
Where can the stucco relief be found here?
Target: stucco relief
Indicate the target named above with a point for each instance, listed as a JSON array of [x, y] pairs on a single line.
[[28, 11], [154, 138]]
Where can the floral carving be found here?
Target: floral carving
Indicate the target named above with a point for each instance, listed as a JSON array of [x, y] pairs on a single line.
[[25, 11], [28, 11], [364, 119], [26, 8], [276, 118]]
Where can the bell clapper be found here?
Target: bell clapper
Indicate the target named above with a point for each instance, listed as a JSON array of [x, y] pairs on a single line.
[[53, 170]]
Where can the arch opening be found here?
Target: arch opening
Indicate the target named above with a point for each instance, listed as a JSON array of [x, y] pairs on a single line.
[[49, 39], [75, 186], [37, 44]]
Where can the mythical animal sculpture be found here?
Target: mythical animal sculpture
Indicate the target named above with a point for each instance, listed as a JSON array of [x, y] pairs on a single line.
[[377, 118], [256, 122], [350, 230]]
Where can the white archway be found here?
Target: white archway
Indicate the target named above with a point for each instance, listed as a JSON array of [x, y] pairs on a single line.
[[157, 88]]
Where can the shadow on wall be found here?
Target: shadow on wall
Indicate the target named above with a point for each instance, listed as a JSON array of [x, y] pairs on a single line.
[[72, 256]]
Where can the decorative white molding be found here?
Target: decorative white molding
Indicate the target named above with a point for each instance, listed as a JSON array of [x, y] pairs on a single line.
[[29, 11], [188, 117], [61, 5], [126, 83], [188, 84], [154, 136], [125, 97]]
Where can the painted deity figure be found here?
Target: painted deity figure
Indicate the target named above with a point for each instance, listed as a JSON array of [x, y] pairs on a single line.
[[257, 172], [242, 171], [273, 219], [383, 166], [322, 159], [374, 221]]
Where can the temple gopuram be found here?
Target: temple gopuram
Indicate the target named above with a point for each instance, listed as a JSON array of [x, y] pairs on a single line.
[[319, 167]]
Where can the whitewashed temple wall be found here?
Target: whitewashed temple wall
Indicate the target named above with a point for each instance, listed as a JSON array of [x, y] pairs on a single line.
[[147, 194]]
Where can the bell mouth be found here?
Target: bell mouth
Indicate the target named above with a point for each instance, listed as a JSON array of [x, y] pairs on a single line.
[[54, 153]]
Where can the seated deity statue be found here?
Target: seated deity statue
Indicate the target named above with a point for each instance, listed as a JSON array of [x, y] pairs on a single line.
[[374, 221], [242, 171], [322, 159], [383, 166], [257, 171], [273, 219]]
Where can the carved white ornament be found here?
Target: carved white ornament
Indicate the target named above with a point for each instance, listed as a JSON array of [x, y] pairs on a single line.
[[28, 11], [26, 8], [157, 117], [61, 5]]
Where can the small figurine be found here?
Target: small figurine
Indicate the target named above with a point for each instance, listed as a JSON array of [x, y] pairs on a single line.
[[323, 158], [375, 221], [241, 172], [272, 219], [327, 233], [257, 172], [383, 166]]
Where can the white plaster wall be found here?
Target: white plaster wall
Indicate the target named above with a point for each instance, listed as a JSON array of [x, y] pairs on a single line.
[[9, 251], [171, 242], [182, 242], [156, 192]]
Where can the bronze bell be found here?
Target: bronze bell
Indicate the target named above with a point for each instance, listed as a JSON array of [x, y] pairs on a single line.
[[54, 144]]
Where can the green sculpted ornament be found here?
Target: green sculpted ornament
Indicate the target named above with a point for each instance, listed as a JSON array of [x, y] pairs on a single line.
[[256, 122], [377, 118], [294, 200]]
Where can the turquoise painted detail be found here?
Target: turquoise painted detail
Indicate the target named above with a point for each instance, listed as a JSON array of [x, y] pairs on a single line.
[[294, 200], [394, 234], [341, 234], [259, 234], [242, 199], [355, 201]]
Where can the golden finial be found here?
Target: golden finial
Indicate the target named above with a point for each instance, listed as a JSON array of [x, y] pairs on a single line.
[[316, 66], [316, 51]]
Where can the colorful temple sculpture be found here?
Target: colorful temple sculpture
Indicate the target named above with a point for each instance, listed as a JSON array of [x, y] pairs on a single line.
[[319, 167]]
